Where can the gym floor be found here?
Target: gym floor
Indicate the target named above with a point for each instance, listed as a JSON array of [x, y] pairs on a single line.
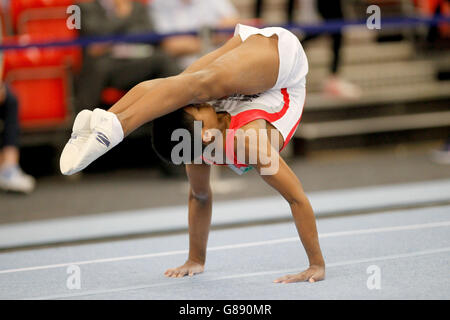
[[410, 249]]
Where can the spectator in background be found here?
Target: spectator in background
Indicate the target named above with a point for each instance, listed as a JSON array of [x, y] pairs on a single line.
[[290, 4], [437, 8], [12, 178], [117, 65], [187, 15], [442, 155], [434, 8], [335, 85]]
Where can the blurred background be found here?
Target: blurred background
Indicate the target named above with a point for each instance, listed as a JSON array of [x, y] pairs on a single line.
[[377, 109]]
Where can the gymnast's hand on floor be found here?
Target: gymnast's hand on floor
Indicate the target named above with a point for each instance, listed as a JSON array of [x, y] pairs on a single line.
[[190, 268], [312, 274]]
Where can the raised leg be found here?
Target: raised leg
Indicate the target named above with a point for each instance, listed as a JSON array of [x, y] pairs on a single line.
[[250, 68], [142, 88], [137, 92]]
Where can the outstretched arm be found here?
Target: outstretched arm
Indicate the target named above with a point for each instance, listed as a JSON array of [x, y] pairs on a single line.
[[200, 206], [288, 185], [284, 180]]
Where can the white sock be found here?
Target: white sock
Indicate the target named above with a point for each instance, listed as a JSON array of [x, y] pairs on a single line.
[[105, 133], [80, 133], [106, 123]]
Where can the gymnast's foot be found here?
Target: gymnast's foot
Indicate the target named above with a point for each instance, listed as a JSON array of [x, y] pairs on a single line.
[[94, 133]]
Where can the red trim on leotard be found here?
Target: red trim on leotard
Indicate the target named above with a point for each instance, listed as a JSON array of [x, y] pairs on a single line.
[[291, 133], [245, 117]]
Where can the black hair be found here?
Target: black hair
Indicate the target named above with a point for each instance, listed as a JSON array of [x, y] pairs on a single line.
[[161, 133]]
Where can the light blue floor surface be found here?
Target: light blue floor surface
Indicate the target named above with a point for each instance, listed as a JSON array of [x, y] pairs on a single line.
[[410, 248]]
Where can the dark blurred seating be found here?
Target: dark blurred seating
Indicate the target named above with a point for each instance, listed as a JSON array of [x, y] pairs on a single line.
[[396, 78], [117, 65], [41, 77], [187, 15]]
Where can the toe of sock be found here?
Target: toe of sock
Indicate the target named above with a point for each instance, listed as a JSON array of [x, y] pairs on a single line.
[[82, 120], [67, 158]]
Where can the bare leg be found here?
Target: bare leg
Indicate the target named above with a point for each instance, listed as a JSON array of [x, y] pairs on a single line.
[[167, 96], [9, 156], [212, 56], [140, 89], [133, 95], [249, 68]]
